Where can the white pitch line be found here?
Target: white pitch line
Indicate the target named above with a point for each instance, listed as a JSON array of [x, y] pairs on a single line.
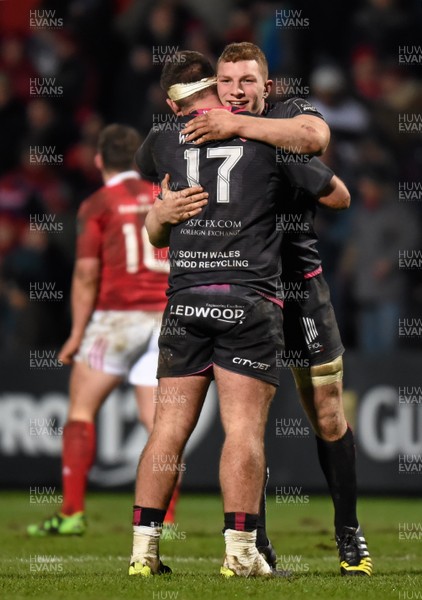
[[51, 559], [45, 558]]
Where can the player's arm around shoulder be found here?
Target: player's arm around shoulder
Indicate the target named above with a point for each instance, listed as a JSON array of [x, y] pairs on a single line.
[[297, 132], [174, 208], [301, 134], [298, 127]]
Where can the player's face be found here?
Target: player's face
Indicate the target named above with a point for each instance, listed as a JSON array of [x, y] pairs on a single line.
[[242, 85]]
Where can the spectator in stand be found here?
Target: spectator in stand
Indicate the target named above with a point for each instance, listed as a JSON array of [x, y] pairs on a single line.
[[36, 262], [383, 24], [346, 116], [382, 228], [16, 65]]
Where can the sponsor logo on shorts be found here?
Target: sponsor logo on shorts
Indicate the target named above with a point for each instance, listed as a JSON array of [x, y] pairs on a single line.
[[245, 362], [311, 334], [225, 314]]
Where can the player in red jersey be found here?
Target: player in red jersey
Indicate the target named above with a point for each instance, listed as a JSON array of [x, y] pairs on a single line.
[[118, 295]]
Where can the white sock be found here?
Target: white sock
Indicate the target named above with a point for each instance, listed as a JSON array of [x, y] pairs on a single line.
[[145, 543], [241, 544], [242, 555]]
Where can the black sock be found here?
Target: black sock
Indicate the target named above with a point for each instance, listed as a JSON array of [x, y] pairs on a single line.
[[149, 517], [338, 462], [240, 521], [261, 533]]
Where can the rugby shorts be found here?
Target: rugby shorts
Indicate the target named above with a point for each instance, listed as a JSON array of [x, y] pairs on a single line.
[[231, 326], [117, 341], [310, 328]]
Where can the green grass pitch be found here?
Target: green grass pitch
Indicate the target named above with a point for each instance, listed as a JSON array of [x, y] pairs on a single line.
[[95, 565]]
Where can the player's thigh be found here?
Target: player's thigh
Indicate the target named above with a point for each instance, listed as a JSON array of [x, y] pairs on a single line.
[[88, 390], [244, 402]]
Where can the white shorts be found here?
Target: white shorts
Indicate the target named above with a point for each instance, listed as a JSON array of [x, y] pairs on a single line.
[[144, 371], [118, 342]]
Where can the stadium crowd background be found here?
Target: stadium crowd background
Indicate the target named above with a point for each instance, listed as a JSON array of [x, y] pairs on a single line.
[[102, 64]]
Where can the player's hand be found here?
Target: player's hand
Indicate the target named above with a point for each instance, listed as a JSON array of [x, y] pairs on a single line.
[[69, 349], [213, 125], [179, 206]]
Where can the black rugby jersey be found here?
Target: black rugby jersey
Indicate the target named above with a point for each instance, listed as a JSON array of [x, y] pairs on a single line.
[[300, 257], [290, 108], [308, 176], [234, 239]]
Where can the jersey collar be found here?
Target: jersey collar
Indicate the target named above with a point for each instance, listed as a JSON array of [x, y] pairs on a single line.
[[202, 111], [116, 179]]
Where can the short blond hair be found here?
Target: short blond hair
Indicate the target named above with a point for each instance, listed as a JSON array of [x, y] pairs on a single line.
[[245, 51]]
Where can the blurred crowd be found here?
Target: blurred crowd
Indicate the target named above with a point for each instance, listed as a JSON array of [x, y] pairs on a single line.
[[68, 68]]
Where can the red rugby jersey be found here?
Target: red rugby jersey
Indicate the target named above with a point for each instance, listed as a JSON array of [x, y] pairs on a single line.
[[111, 227]]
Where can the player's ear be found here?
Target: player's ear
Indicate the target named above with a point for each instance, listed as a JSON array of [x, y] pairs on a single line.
[[174, 107], [268, 87], [98, 161]]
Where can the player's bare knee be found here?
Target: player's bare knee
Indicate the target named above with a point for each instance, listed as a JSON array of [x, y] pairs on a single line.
[[254, 426], [327, 397], [171, 438], [330, 420], [247, 452], [331, 424]]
